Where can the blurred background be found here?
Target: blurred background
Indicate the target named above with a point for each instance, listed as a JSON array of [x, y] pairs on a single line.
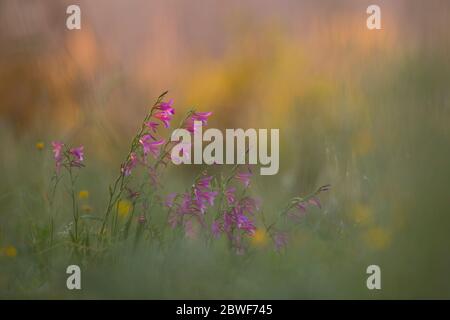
[[366, 111]]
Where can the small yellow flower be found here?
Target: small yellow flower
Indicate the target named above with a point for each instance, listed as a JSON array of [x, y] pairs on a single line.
[[40, 145], [259, 238], [377, 238], [124, 208], [10, 251], [83, 194]]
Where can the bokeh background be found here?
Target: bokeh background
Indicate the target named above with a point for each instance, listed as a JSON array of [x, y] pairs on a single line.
[[365, 111]]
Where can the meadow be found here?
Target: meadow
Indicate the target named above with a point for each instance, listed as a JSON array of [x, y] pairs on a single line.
[[364, 153]]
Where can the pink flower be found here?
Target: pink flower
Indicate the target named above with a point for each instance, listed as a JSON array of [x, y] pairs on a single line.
[[301, 206], [152, 125], [166, 107], [244, 178], [203, 198], [201, 116], [204, 182], [315, 202], [57, 154], [249, 205], [131, 163], [165, 117], [244, 223], [197, 116], [77, 154], [229, 195], [150, 146], [190, 126]]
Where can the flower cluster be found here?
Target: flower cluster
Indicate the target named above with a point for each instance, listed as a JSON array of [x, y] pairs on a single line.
[[192, 205], [71, 157], [218, 206]]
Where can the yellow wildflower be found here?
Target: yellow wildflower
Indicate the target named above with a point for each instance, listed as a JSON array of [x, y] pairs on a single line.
[[124, 207], [259, 237], [83, 194], [10, 251], [40, 145]]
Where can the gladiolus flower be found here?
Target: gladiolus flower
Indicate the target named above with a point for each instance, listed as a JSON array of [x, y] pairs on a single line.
[[164, 117], [131, 163], [201, 116], [152, 125], [315, 202], [150, 146], [229, 195], [244, 178], [244, 223], [204, 182], [191, 126], [166, 107], [57, 154], [77, 154]]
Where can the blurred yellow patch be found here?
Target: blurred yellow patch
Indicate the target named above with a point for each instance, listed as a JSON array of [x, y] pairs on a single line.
[[40, 145], [86, 208], [9, 251], [362, 143], [259, 238], [377, 238], [123, 208], [83, 194], [361, 214]]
